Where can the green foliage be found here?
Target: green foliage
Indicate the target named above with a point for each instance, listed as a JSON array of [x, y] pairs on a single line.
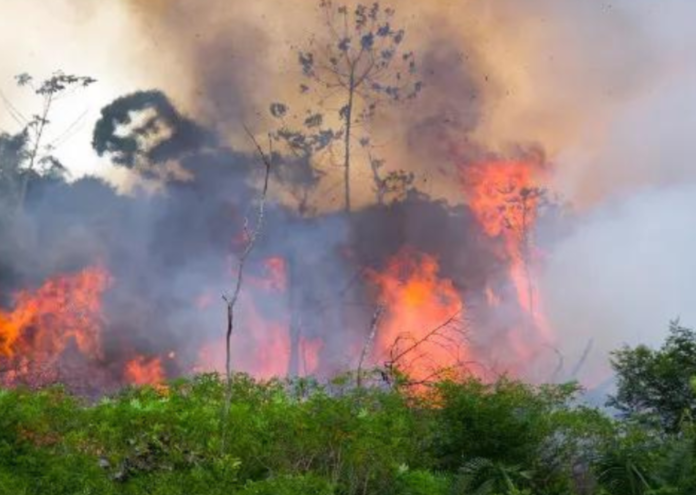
[[289, 485], [657, 385], [422, 482], [301, 437], [506, 421], [485, 477], [624, 466], [284, 437]]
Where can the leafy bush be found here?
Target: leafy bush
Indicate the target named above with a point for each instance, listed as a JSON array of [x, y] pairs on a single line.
[[300, 437]]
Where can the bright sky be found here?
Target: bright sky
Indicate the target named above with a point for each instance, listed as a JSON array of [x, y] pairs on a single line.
[[77, 37]]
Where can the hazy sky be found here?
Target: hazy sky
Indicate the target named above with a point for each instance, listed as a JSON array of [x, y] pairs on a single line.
[[605, 87]]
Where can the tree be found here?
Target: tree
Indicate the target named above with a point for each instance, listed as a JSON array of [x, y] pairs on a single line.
[[626, 463], [482, 476], [36, 152], [356, 66], [12, 155], [656, 385], [144, 130], [350, 69], [251, 234]]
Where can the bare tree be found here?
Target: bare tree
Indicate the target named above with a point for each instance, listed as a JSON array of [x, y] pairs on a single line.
[[354, 67], [251, 234], [374, 325], [350, 68]]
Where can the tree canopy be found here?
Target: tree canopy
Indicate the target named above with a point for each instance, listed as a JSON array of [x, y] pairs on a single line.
[[657, 384]]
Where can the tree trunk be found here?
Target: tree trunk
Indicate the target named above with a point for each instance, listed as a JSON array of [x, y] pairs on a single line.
[[346, 156], [34, 152]]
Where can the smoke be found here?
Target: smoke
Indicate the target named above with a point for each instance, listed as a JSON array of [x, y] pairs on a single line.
[[623, 272], [604, 88], [622, 275]]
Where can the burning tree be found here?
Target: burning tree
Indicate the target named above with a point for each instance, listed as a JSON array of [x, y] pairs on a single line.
[[356, 66], [507, 202], [518, 215], [350, 70]]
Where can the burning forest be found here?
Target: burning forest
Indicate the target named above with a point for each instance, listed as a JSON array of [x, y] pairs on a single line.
[[130, 292], [351, 213], [325, 247]]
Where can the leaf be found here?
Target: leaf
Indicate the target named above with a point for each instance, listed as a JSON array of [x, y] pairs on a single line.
[[314, 120], [344, 44], [307, 63], [278, 110], [23, 79]]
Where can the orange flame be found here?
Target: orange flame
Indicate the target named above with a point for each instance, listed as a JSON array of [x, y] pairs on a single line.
[[418, 331], [145, 371], [64, 309], [505, 200], [259, 345]]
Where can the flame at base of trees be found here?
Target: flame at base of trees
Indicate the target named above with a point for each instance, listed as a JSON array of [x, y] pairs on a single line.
[[422, 332]]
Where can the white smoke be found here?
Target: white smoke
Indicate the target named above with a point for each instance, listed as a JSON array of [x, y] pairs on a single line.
[[624, 273], [628, 267]]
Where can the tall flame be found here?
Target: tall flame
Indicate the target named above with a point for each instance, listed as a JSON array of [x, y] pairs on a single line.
[[421, 329], [505, 200]]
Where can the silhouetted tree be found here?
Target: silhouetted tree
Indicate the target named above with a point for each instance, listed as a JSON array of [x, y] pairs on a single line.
[[656, 385], [35, 154], [144, 129], [354, 67]]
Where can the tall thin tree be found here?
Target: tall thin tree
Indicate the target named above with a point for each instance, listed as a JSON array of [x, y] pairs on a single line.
[[355, 66], [49, 90]]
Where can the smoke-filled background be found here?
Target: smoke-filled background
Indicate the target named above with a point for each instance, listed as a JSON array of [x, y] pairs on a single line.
[[596, 98]]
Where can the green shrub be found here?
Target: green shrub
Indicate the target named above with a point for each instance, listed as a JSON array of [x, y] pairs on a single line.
[[420, 482], [289, 485]]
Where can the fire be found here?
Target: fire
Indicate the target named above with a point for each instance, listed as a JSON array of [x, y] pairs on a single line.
[[260, 343], [145, 371], [264, 332], [64, 309], [505, 201], [420, 331]]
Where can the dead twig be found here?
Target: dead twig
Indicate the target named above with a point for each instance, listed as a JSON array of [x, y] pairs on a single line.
[[374, 324], [395, 358], [583, 359], [251, 236]]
